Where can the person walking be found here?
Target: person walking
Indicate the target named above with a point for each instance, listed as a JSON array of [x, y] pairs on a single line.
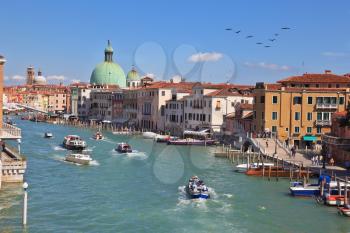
[[293, 151], [267, 144], [331, 161], [313, 160]]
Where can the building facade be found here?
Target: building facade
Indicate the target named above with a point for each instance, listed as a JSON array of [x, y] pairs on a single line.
[[299, 108]]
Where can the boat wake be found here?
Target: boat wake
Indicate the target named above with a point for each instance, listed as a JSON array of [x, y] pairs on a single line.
[[227, 195], [184, 200], [59, 148], [133, 155], [94, 163]]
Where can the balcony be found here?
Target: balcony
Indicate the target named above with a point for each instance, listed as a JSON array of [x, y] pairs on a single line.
[[323, 122], [10, 132], [326, 106]]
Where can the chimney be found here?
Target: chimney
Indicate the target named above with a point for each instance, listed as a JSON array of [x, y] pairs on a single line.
[[327, 71]]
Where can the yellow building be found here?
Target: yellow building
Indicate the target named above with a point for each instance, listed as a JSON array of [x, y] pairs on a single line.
[[299, 108]]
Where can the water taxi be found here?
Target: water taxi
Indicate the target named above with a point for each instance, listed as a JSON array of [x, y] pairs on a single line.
[[149, 135], [197, 189], [74, 142], [98, 136], [78, 158], [307, 190], [123, 148]]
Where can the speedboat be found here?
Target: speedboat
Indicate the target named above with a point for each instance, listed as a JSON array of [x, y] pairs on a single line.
[[98, 136], [74, 142], [197, 189], [243, 166], [123, 148], [48, 135], [78, 158], [345, 210]]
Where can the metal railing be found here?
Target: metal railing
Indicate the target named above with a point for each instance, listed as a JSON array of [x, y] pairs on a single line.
[[10, 132], [323, 122], [325, 106]]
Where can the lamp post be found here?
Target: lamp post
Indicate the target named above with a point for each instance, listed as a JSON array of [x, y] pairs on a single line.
[[25, 198], [276, 143]]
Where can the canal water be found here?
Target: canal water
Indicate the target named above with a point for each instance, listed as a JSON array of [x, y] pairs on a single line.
[[144, 191]]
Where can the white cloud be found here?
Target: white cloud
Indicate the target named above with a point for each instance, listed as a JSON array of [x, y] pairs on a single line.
[[204, 57], [75, 81], [56, 77], [18, 78], [268, 66], [6, 78], [150, 75], [335, 54]]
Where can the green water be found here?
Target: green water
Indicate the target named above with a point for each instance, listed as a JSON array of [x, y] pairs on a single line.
[[143, 192]]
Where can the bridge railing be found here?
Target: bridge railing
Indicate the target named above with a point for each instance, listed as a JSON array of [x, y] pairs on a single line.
[[10, 132]]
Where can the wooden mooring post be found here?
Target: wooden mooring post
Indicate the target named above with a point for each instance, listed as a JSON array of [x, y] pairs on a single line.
[[276, 168]]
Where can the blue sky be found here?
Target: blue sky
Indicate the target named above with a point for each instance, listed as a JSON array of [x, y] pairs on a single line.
[[67, 38]]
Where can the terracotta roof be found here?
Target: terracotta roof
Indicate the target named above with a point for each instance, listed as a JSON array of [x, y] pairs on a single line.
[[246, 106], [317, 78], [227, 92]]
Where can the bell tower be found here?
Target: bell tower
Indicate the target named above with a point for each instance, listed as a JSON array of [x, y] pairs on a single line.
[[30, 75]]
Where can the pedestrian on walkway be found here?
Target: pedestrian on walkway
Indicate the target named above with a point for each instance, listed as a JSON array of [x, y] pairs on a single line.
[[331, 161], [316, 160], [313, 160], [293, 151], [267, 144]]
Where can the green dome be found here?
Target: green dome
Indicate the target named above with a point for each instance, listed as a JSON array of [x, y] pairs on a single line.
[[108, 72], [133, 75]]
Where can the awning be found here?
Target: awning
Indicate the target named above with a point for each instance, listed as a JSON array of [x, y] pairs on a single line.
[[309, 138]]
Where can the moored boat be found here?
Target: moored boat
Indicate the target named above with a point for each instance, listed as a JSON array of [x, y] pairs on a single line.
[[274, 171], [307, 190], [79, 158], [48, 135], [194, 142], [149, 135], [123, 148], [243, 167], [197, 189], [345, 210], [74, 142]]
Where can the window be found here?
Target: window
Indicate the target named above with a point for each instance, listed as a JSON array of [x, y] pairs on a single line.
[[319, 130], [297, 100], [287, 129], [337, 85], [262, 115], [319, 116], [218, 105], [296, 129], [297, 116], [329, 85], [309, 100], [163, 93], [309, 116], [254, 114], [274, 115], [274, 129], [341, 100], [274, 99], [309, 130], [262, 99], [317, 85]]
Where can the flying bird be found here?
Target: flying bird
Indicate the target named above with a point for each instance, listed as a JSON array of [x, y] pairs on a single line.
[[285, 28], [267, 46], [276, 34], [228, 29], [272, 40], [247, 37], [259, 43], [238, 31]]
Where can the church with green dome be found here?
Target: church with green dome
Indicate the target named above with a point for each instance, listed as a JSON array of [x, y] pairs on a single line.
[[108, 72]]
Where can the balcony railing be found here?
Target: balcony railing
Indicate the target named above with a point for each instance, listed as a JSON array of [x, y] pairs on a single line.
[[323, 122], [10, 132], [326, 106]]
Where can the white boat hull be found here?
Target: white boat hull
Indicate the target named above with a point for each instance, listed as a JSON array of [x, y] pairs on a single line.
[[78, 161]]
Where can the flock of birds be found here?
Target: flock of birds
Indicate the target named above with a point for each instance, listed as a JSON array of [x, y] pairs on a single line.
[[274, 38]]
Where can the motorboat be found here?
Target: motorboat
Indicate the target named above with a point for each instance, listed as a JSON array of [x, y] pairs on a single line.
[[244, 166], [83, 159], [123, 148], [276, 171], [307, 190], [345, 210], [197, 189], [98, 136], [149, 135], [191, 141], [74, 142], [48, 135]]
